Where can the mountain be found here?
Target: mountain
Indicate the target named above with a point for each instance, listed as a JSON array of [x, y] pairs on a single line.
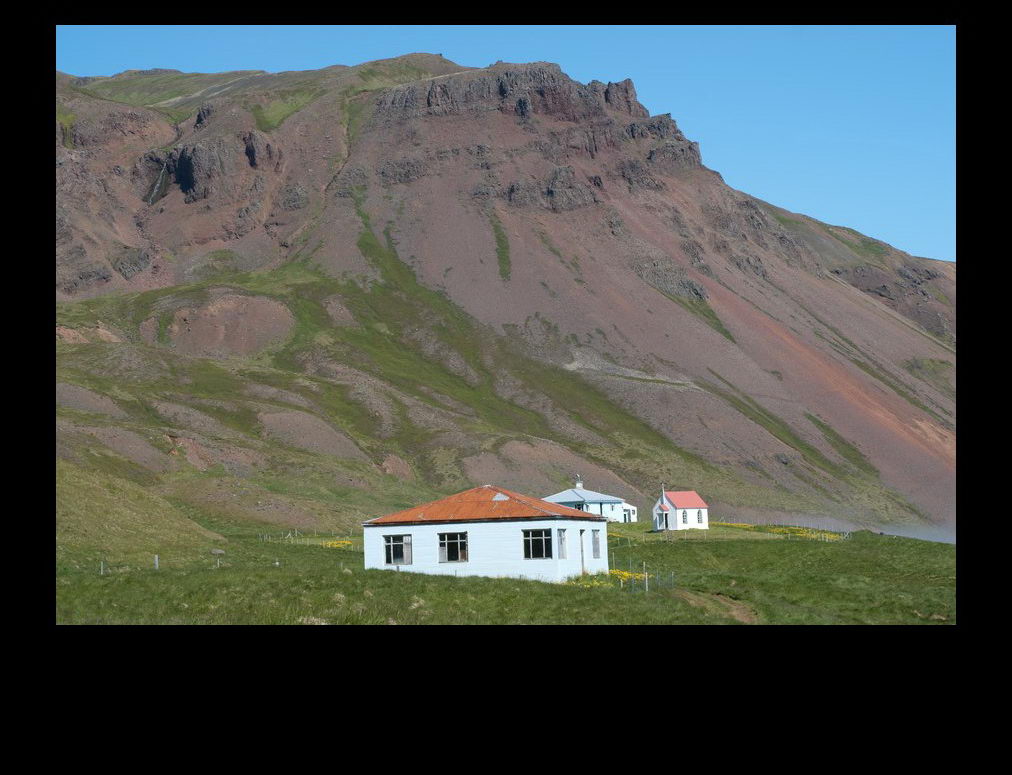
[[308, 298]]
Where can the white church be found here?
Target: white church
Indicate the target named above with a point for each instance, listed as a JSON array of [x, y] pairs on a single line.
[[611, 507], [681, 510]]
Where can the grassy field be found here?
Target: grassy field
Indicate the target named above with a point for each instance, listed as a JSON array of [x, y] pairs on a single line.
[[727, 575]]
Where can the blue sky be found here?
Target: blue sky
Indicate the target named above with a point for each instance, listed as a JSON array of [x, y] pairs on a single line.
[[853, 125]]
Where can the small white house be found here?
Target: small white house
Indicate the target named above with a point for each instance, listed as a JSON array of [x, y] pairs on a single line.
[[489, 531], [613, 508], [681, 510]]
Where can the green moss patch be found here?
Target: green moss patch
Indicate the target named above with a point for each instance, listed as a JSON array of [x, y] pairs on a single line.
[[935, 372], [283, 103], [703, 311], [844, 448], [502, 246], [66, 120]]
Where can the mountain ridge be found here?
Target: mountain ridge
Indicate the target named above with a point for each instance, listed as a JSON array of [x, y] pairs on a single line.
[[602, 300]]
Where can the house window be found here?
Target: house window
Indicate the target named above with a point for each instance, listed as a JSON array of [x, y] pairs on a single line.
[[699, 516], [453, 547], [562, 544], [398, 550], [595, 537], [685, 517], [537, 544]]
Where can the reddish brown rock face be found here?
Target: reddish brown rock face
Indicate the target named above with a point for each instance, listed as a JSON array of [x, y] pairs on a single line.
[[230, 324], [558, 218]]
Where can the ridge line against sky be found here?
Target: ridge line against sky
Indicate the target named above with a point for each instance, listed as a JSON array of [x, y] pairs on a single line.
[[852, 125]]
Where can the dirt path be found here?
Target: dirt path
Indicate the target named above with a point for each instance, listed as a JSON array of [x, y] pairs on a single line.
[[721, 605]]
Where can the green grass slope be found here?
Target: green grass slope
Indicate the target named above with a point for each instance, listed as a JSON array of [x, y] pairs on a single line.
[[99, 515], [455, 373]]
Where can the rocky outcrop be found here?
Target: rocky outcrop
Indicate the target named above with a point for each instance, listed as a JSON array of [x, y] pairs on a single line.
[[294, 197], [200, 169], [404, 170], [75, 270], [203, 115], [667, 277], [128, 261], [911, 290], [524, 90], [674, 156], [622, 97], [559, 192], [217, 167], [695, 252], [110, 129], [749, 263], [260, 152], [661, 127], [348, 180], [563, 192], [637, 177]]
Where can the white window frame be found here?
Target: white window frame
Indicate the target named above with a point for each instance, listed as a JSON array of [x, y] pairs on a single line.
[[544, 537], [460, 539], [562, 543], [685, 517], [699, 516], [405, 543], [595, 543]]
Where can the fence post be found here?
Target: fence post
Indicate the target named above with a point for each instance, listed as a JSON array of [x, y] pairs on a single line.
[[156, 562], [646, 579]]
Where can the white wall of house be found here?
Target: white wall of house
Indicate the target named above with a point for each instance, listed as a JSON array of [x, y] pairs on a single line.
[[613, 512], [495, 548], [693, 519], [627, 507]]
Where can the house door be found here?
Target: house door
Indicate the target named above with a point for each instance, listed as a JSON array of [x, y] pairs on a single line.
[[665, 520], [583, 565]]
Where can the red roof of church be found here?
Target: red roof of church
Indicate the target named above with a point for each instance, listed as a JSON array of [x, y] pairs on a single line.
[[684, 499]]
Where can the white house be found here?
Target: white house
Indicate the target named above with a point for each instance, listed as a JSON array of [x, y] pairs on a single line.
[[681, 510], [609, 506], [489, 531]]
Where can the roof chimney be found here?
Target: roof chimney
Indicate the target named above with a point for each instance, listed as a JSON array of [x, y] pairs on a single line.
[[579, 481]]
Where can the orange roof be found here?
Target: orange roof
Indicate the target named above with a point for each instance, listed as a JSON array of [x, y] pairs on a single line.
[[684, 499], [480, 504]]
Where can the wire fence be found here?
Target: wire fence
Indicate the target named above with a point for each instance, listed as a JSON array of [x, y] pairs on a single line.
[[219, 559], [629, 570], [295, 536], [634, 574]]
